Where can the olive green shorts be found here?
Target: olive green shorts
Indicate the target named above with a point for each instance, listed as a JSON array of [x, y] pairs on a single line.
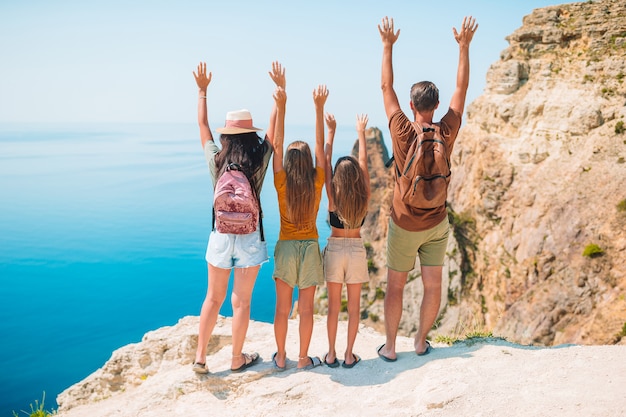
[[403, 246], [298, 263]]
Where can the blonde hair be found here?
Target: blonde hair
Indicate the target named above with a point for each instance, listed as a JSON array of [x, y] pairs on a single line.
[[349, 192], [300, 184]]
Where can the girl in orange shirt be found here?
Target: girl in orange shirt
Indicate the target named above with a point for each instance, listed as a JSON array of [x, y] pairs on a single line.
[[297, 257]]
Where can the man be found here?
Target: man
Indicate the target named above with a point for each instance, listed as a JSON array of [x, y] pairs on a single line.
[[415, 231]]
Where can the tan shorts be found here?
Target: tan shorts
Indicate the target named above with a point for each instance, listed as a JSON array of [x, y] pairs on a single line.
[[298, 263], [403, 246], [345, 261]]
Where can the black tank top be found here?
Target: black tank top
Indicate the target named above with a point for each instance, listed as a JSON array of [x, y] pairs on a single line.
[[335, 221]]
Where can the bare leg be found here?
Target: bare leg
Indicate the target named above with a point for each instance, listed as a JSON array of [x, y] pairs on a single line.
[[334, 304], [393, 310], [306, 298], [354, 315], [284, 294], [240, 299], [216, 293], [431, 277]]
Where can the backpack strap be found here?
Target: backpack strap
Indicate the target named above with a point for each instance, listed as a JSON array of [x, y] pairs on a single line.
[[419, 129], [417, 132]]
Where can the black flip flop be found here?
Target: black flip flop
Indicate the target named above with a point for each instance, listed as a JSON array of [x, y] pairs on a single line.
[[333, 364], [383, 357], [278, 368], [357, 359], [427, 351]]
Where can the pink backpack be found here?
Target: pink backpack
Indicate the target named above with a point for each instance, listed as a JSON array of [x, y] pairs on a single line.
[[236, 209]]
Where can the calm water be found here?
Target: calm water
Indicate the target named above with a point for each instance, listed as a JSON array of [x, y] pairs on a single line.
[[103, 230]]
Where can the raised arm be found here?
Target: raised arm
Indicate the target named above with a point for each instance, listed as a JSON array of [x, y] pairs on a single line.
[[320, 94], [203, 80], [280, 102], [331, 124], [463, 38], [277, 74], [361, 124], [389, 37]]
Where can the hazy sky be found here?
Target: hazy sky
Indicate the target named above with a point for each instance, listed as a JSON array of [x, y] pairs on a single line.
[[132, 61]]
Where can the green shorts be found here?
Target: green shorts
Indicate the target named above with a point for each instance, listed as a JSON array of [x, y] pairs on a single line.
[[403, 246], [298, 263]]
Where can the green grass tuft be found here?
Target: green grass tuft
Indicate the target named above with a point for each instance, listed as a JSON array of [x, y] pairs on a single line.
[[37, 410], [593, 251], [477, 334], [448, 340]]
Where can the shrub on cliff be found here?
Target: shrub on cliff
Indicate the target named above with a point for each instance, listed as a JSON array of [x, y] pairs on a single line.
[[37, 410], [593, 251]]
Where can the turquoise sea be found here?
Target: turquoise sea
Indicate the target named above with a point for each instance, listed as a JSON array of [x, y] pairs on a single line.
[[103, 230]]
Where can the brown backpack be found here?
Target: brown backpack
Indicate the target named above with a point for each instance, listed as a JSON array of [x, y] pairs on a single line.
[[424, 179]]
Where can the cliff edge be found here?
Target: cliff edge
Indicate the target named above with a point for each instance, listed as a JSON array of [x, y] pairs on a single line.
[[477, 377]]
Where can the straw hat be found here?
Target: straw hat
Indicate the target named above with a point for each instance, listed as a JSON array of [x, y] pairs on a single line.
[[238, 121]]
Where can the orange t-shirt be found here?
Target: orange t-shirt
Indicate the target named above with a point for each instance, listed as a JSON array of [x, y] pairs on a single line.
[[402, 135], [288, 229]]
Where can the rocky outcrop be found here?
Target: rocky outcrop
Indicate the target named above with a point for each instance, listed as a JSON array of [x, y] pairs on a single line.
[[539, 177]]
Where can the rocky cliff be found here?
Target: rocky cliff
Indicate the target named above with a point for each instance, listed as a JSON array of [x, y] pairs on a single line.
[[538, 194], [539, 185]]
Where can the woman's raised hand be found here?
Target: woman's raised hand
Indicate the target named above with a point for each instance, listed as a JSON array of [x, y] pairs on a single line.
[[320, 94], [277, 74], [280, 97], [331, 123], [361, 122], [202, 79]]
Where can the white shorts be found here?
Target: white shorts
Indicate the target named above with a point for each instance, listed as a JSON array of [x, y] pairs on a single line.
[[236, 251]]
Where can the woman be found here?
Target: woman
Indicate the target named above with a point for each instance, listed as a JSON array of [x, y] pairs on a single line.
[[243, 253], [345, 259], [297, 255]]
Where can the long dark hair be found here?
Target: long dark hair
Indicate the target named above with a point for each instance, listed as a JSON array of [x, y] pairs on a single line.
[[244, 149]]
